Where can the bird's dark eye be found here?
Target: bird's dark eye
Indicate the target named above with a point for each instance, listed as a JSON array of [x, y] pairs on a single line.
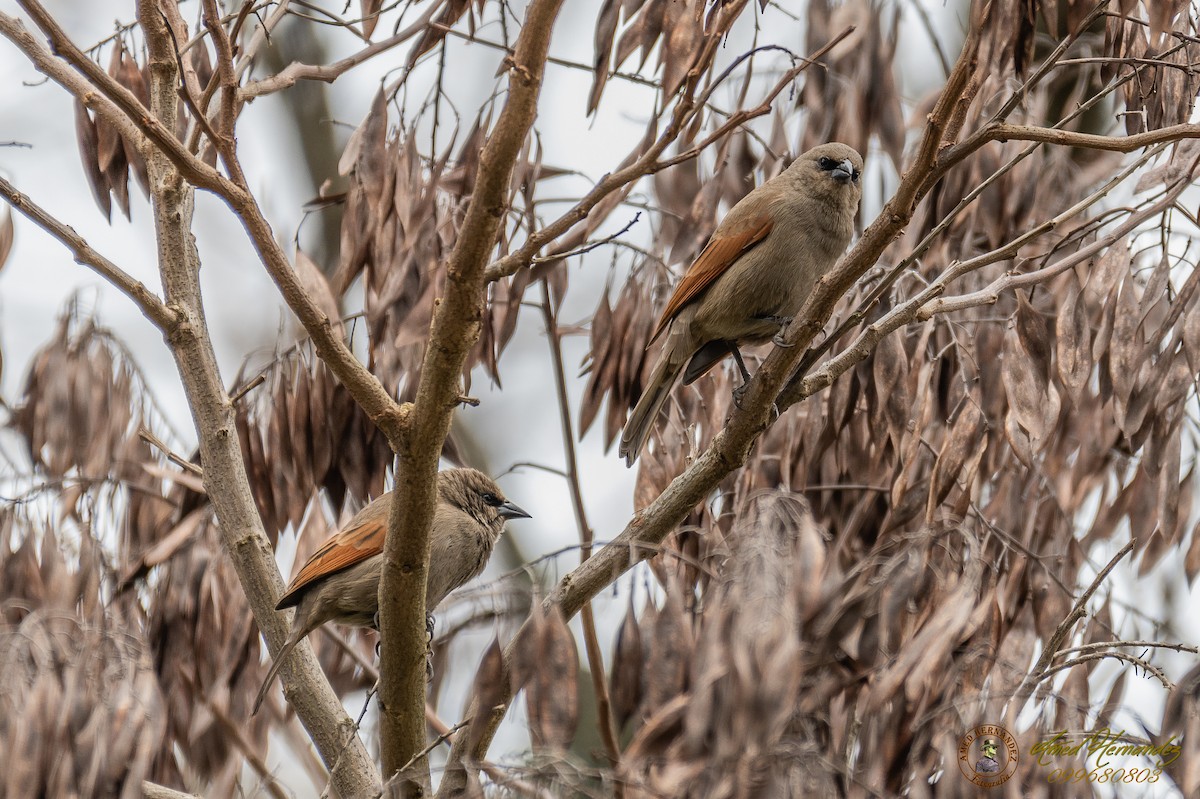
[[826, 163], [492, 499]]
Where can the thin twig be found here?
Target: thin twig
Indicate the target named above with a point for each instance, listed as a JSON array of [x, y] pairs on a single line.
[[588, 247], [254, 383], [435, 743], [187, 86], [605, 720], [1055, 642], [328, 73], [225, 73], [150, 304], [1140, 644], [645, 164], [1141, 663], [234, 733], [180, 461]]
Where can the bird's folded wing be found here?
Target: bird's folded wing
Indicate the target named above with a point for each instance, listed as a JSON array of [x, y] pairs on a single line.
[[350, 546], [725, 247]]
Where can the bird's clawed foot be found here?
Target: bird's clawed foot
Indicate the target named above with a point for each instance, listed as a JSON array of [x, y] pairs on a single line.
[[783, 322], [779, 339], [429, 627], [739, 393]]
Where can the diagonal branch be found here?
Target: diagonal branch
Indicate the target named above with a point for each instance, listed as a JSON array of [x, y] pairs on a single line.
[[1050, 650], [147, 301], [1003, 132], [225, 472], [225, 478], [328, 73]]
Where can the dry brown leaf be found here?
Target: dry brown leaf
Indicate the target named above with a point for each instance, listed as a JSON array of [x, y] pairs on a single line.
[[966, 437], [625, 687], [489, 680], [890, 369], [1073, 345], [88, 140], [370, 16], [605, 32], [316, 285], [553, 692], [1034, 335], [1033, 403], [7, 234]]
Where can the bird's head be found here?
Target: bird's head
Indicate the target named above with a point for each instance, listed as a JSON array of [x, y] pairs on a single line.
[[477, 494], [834, 161], [831, 167]]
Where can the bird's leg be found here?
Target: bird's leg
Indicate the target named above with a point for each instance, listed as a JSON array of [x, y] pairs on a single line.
[[740, 391]]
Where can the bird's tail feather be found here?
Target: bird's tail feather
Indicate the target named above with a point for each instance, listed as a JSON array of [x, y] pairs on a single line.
[[288, 646], [645, 413]]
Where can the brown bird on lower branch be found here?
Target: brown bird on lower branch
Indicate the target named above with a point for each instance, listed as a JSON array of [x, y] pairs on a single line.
[[340, 582], [753, 276]]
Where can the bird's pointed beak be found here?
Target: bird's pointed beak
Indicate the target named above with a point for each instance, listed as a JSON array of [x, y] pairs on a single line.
[[843, 172], [510, 511]]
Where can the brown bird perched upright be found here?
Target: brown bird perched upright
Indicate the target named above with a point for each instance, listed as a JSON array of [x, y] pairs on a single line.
[[340, 582], [753, 276]]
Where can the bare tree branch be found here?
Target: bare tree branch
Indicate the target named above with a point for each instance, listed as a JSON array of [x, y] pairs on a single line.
[[331, 72], [608, 732], [225, 478], [147, 301]]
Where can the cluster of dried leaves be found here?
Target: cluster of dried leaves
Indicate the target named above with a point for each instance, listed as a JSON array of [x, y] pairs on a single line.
[[402, 213], [876, 580], [108, 156], [960, 476], [81, 712], [81, 415]]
